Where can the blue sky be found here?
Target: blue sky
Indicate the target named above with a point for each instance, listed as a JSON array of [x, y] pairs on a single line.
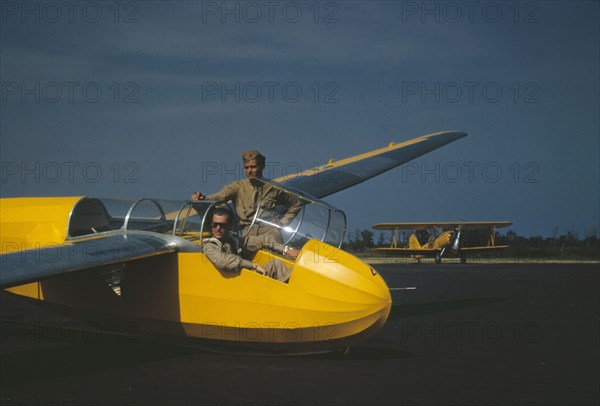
[[147, 98]]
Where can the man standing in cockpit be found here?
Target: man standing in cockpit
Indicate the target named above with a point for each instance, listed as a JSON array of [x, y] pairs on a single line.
[[249, 193]]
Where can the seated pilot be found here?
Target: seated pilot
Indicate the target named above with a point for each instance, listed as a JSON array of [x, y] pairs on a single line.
[[222, 249]]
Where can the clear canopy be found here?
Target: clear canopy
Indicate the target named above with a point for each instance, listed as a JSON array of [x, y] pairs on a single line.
[[310, 218], [314, 220]]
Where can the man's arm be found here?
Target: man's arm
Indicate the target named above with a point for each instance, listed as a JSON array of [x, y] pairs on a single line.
[[224, 261], [294, 205], [226, 194]]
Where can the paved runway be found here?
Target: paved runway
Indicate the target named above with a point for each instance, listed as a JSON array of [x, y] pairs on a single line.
[[491, 334]]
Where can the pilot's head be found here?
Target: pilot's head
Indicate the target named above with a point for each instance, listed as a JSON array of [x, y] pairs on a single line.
[[221, 223], [254, 163]]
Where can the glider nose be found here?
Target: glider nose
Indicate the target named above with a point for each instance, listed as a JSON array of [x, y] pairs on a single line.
[[348, 286]]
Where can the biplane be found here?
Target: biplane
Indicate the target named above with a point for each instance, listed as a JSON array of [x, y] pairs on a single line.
[[139, 263], [444, 239]]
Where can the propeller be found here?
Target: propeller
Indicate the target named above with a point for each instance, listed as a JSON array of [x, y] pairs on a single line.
[[455, 244]]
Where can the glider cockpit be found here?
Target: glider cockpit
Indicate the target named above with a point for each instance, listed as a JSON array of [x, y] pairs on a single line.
[[95, 217]]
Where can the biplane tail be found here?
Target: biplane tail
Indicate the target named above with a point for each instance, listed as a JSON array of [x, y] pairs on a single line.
[[413, 243]]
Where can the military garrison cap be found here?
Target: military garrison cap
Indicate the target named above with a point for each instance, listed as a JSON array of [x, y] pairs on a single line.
[[248, 156]]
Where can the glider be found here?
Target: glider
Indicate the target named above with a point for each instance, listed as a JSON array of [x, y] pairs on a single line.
[[114, 262]]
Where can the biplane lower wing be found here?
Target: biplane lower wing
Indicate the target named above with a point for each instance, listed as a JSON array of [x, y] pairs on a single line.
[[485, 248], [405, 251], [431, 251]]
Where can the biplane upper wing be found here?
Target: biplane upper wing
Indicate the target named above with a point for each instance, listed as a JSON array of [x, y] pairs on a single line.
[[471, 225], [332, 177], [404, 250]]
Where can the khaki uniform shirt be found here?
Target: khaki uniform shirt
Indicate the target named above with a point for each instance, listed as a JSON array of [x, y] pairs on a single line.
[[224, 256], [246, 194]]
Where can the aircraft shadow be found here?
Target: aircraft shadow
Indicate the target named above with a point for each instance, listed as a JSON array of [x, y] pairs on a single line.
[[63, 360], [420, 309], [73, 358]]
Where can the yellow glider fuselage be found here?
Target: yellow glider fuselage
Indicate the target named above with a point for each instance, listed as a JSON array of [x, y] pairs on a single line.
[[332, 300]]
